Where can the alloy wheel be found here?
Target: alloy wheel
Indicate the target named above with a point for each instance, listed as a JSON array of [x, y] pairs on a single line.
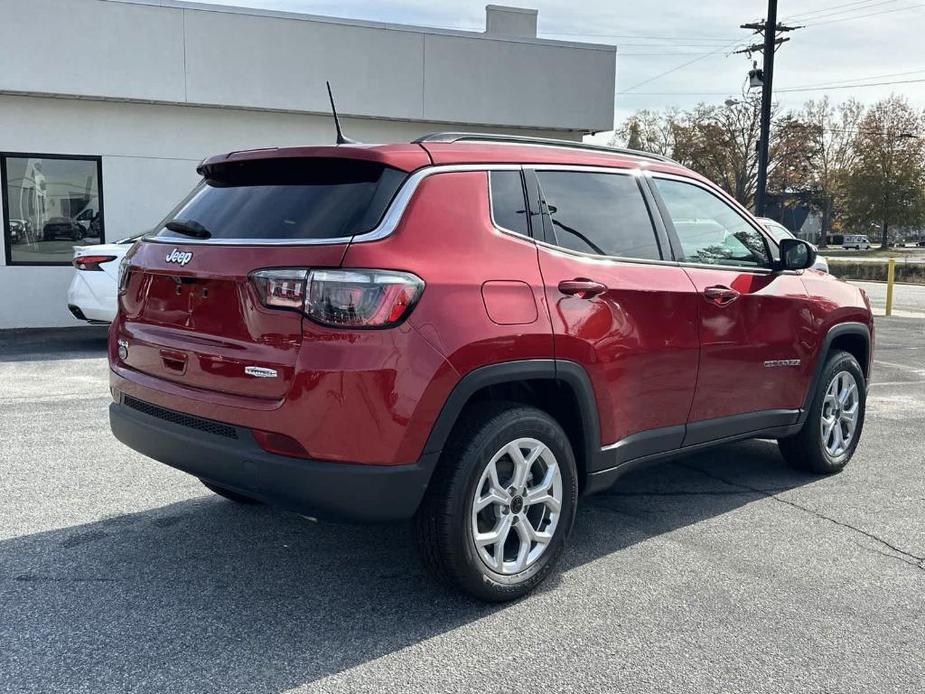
[[516, 506], [840, 411]]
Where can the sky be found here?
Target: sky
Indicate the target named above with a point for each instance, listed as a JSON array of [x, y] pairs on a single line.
[[675, 52]]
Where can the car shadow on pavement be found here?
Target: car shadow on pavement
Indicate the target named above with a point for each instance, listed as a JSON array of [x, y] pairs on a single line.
[[206, 595], [81, 342]]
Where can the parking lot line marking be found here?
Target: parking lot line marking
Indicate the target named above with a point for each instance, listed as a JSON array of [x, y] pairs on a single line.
[[896, 383], [904, 367]]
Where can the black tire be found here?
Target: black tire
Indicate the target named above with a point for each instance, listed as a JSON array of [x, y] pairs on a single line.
[[443, 523], [228, 494], [806, 450]]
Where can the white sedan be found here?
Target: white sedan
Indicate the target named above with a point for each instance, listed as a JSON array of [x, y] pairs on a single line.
[[779, 231], [92, 294]]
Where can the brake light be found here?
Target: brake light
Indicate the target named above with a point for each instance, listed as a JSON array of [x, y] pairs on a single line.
[[91, 262], [341, 298]]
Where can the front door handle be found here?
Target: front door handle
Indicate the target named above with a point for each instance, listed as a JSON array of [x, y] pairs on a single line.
[[582, 287], [720, 295]]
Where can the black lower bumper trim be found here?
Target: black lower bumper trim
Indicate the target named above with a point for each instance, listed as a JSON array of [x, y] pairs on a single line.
[[346, 491]]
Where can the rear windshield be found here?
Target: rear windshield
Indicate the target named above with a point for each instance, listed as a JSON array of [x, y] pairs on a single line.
[[289, 199]]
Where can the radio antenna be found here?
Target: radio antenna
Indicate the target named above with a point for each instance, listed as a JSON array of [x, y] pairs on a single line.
[[341, 139]]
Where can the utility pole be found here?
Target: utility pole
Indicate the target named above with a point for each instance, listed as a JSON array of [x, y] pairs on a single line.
[[769, 28]]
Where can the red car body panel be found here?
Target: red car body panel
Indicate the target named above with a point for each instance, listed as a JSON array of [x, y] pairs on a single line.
[[638, 340], [767, 322], [658, 354]]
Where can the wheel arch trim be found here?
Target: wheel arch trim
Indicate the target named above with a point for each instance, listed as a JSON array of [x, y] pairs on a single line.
[[569, 373], [837, 330]]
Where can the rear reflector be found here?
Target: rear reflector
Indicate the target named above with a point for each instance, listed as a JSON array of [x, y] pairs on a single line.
[[279, 444], [91, 262]]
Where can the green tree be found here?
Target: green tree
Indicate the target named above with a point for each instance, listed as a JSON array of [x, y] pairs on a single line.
[[886, 183]]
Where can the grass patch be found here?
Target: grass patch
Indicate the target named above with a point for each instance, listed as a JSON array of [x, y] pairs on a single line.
[[912, 273], [898, 253]]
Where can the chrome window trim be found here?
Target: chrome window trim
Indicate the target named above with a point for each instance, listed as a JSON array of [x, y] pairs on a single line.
[[387, 225], [747, 217], [610, 258]]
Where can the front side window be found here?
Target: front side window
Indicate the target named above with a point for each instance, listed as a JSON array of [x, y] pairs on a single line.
[[508, 205], [51, 204], [599, 213], [711, 231]]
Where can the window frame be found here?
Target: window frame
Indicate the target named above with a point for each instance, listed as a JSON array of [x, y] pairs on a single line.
[[658, 229], [4, 203], [531, 233], [675, 240]]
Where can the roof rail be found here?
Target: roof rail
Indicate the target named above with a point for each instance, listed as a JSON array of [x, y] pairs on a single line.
[[449, 137]]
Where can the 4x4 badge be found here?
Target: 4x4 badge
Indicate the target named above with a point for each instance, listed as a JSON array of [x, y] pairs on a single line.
[[181, 257]]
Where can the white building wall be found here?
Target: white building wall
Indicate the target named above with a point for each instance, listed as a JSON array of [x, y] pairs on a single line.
[[150, 153], [178, 52]]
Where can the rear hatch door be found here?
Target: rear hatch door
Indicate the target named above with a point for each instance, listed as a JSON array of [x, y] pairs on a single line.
[[189, 311]]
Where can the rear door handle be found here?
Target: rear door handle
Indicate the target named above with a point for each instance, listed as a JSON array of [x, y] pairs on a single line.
[[720, 295], [582, 287]]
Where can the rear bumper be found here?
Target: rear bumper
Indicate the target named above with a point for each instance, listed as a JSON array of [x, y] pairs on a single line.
[[94, 303], [230, 457]]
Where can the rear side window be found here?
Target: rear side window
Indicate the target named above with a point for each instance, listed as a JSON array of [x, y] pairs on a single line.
[[599, 213], [290, 199], [508, 205], [711, 231]]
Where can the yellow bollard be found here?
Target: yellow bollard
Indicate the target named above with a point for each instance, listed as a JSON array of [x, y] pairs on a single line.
[[890, 276]]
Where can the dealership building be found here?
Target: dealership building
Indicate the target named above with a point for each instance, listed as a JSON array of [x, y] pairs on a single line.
[[107, 106]]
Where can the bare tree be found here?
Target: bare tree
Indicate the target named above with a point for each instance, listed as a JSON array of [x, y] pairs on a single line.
[[720, 142], [650, 131]]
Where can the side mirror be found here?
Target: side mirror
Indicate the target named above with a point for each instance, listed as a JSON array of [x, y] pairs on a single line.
[[796, 254]]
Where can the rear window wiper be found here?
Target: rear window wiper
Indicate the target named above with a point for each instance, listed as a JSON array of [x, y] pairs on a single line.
[[188, 227]]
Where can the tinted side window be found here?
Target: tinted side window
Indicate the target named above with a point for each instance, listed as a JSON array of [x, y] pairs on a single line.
[[508, 207], [711, 231], [599, 213]]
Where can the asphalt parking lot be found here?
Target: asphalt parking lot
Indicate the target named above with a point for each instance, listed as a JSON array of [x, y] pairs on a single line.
[[722, 571]]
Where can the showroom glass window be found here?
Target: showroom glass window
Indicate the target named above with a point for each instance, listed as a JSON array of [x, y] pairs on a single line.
[[51, 203]]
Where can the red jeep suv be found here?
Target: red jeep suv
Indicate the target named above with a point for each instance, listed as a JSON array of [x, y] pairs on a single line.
[[472, 331]]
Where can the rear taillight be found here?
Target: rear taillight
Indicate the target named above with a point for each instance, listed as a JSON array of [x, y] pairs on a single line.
[[341, 298], [284, 288], [91, 262]]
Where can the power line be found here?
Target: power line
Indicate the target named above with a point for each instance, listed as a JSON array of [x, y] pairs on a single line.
[[863, 79], [682, 66], [850, 86], [863, 16], [863, 5], [654, 37], [821, 88]]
